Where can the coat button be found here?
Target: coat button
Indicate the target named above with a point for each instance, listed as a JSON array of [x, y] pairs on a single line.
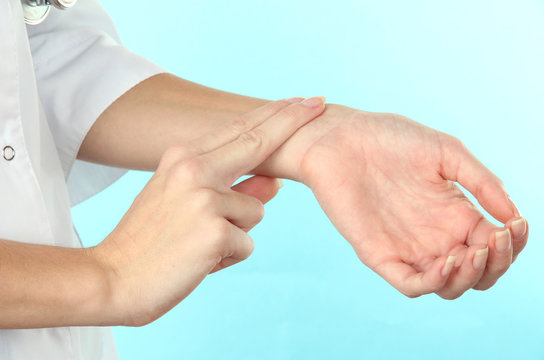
[[8, 153]]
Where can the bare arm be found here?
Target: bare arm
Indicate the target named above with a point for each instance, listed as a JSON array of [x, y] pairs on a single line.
[[162, 111], [48, 286]]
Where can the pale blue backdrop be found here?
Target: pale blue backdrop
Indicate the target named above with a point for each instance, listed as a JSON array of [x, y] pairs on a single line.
[[470, 68]]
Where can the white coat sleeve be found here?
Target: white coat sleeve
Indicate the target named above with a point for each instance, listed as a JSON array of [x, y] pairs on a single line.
[[81, 68]]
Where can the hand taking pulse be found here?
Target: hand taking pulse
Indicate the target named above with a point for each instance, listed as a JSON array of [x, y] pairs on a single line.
[[188, 221]]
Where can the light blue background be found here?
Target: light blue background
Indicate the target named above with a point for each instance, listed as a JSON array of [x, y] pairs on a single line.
[[471, 68]]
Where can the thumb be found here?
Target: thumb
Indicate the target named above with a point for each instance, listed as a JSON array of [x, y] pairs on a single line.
[[459, 164], [263, 188]]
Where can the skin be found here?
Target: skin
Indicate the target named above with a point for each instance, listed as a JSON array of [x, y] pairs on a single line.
[[187, 222], [394, 198], [48, 286], [387, 183]]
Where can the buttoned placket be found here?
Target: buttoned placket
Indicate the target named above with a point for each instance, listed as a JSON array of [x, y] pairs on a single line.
[[19, 185]]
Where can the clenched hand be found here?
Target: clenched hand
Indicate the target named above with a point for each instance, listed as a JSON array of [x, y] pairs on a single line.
[[188, 221]]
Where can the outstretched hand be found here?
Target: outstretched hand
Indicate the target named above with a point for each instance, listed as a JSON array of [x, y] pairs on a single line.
[[388, 184]]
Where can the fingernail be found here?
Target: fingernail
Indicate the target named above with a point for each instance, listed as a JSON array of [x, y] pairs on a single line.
[[503, 241], [480, 258], [314, 101], [519, 227], [448, 266], [294, 100], [280, 183], [459, 260]]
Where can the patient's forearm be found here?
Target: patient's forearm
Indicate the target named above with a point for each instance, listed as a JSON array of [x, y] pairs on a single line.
[[159, 112], [48, 286]]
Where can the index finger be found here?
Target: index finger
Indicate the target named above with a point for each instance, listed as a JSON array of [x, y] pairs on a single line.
[[252, 147], [226, 133]]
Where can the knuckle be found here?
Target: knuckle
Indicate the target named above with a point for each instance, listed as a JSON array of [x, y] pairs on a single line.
[[499, 183], [500, 269], [412, 295], [484, 286], [256, 206], [279, 105], [242, 124], [205, 198], [458, 144], [449, 295], [409, 293], [499, 266], [291, 113], [451, 142], [282, 103], [249, 250], [257, 213], [219, 225], [188, 171], [254, 139], [218, 236]]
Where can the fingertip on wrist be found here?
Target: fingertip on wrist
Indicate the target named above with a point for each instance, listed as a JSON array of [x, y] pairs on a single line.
[[314, 102], [294, 100]]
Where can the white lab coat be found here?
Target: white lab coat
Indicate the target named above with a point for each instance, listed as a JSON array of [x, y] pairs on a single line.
[[55, 80]]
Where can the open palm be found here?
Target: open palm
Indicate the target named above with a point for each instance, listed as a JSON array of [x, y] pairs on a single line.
[[388, 185]]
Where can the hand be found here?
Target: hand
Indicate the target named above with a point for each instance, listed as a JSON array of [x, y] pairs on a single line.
[[388, 185], [188, 221]]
